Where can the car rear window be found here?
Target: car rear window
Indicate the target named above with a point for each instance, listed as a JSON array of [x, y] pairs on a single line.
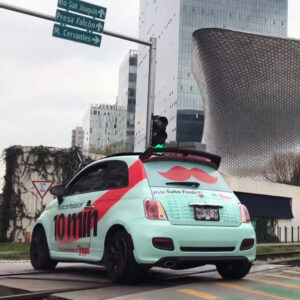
[[161, 172]]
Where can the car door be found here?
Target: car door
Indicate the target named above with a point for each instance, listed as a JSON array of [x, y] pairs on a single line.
[[76, 220], [109, 211]]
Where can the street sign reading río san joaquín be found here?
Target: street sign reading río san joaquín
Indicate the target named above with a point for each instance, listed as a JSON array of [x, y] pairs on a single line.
[[83, 8]]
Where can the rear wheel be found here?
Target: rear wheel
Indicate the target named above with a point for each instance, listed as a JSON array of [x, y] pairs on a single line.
[[234, 269], [39, 251], [119, 260]]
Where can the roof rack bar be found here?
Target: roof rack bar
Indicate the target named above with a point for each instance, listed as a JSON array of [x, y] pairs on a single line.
[[150, 151]]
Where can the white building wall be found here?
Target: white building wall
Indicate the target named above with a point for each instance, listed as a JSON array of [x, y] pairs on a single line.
[[33, 203], [104, 125], [86, 129], [78, 137], [30, 199], [122, 100], [127, 93], [247, 185]]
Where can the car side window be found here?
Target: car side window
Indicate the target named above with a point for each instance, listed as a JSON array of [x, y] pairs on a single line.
[[103, 176], [90, 180], [116, 175]]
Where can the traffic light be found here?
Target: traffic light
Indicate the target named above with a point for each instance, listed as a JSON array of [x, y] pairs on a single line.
[[158, 134]]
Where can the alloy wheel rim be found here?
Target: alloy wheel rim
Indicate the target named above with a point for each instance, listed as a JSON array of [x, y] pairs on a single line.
[[117, 255]]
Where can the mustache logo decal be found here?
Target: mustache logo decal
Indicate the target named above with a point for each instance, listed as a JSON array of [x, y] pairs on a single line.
[[182, 174]]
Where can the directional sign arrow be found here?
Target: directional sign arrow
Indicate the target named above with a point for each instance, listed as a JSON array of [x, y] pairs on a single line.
[[99, 27], [96, 40], [102, 13]]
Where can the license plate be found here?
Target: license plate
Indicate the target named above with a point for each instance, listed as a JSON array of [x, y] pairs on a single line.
[[206, 213]]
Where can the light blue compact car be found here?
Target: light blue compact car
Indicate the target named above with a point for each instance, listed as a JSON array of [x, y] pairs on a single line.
[[132, 211]]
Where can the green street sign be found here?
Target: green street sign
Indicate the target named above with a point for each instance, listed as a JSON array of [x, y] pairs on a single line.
[[83, 8], [64, 17], [76, 35]]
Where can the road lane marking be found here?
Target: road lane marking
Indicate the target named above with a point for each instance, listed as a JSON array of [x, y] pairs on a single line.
[[283, 276], [291, 272], [279, 291], [248, 290], [288, 285], [198, 294]]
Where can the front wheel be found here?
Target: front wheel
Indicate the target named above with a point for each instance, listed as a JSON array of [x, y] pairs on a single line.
[[234, 269], [119, 260], [39, 251]]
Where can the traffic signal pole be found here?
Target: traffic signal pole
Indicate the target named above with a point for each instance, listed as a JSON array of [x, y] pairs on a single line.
[[151, 91], [152, 55]]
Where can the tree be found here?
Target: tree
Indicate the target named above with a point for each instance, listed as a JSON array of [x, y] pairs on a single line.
[[265, 230], [113, 148], [284, 168], [171, 144]]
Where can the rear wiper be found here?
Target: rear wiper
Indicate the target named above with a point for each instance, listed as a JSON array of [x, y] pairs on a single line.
[[188, 183]]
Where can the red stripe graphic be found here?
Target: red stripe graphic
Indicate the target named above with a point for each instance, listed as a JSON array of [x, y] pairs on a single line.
[[102, 206], [179, 173]]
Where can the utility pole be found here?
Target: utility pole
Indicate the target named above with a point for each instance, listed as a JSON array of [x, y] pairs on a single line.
[[152, 58], [151, 91]]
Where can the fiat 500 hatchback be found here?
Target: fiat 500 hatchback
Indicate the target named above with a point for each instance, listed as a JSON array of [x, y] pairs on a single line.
[[130, 212]]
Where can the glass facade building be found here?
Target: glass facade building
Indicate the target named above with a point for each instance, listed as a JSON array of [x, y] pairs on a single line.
[[127, 93], [172, 22]]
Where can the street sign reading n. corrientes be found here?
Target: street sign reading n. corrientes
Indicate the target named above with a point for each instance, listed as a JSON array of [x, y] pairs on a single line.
[[83, 8], [75, 20], [80, 36]]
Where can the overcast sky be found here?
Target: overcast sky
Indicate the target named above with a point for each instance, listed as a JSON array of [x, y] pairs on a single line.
[[47, 84]]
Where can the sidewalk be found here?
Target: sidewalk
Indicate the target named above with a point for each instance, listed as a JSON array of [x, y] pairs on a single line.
[[277, 244]]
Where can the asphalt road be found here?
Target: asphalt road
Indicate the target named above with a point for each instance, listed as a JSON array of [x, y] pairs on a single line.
[[88, 282]]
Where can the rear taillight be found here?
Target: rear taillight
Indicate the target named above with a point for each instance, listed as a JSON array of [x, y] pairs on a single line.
[[245, 217], [154, 210]]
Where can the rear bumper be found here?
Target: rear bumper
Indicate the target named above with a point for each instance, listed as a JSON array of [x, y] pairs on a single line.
[[175, 261], [221, 243]]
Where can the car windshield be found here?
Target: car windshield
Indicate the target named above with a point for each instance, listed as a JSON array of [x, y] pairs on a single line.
[[184, 174]]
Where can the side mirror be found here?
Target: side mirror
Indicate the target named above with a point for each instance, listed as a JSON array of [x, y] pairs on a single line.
[[58, 191]]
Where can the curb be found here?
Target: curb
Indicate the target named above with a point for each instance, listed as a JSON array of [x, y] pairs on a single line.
[[14, 261]]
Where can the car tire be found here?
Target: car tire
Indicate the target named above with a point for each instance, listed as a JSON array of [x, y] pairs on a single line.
[[119, 261], [234, 269], [39, 251]]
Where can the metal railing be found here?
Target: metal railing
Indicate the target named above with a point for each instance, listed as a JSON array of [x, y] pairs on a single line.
[[288, 234]]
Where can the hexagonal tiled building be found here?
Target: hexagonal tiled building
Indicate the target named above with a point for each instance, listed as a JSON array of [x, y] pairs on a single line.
[[251, 89]]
